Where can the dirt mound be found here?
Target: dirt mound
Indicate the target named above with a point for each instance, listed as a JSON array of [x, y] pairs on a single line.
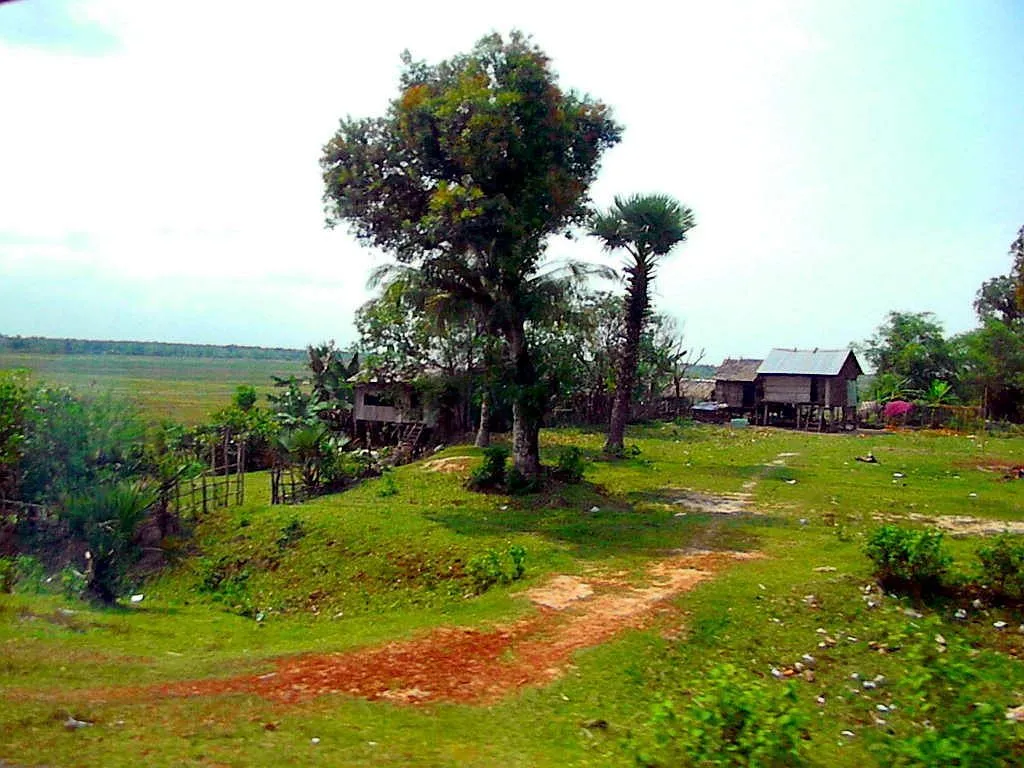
[[469, 665], [449, 465]]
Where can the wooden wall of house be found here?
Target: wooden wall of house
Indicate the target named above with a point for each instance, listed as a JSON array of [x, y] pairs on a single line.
[[730, 393], [788, 389]]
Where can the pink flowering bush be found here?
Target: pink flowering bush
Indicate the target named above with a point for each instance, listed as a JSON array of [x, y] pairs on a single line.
[[897, 409]]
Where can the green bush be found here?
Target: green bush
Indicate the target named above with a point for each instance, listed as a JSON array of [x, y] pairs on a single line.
[[907, 559], [491, 472], [72, 583], [734, 719], [494, 567], [23, 572], [291, 533], [8, 577], [519, 484], [948, 715], [388, 486], [571, 465], [1002, 565]]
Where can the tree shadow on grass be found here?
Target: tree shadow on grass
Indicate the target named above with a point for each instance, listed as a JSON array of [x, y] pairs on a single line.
[[595, 523]]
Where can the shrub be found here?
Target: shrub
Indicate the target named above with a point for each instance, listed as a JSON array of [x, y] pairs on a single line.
[[8, 577], [491, 472], [291, 533], [948, 713], [494, 567], [388, 486], [72, 582], [571, 464], [519, 484], [1002, 565], [908, 559], [733, 720]]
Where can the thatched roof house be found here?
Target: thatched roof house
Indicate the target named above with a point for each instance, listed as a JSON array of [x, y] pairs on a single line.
[[736, 382]]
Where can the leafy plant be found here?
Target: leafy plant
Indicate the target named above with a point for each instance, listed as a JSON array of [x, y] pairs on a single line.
[[8, 576], [908, 559], [519, 484], [291, 533], [494, 567], [1002, 565], [948, 716], [733, 720], [571, 465], [491, 472], [72, 582], [388, 486]]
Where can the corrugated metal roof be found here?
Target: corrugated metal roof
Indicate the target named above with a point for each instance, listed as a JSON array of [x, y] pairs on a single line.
[[806, 362], [740, 369]]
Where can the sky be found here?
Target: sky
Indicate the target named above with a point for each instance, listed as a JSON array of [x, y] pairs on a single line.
[[160, 179]]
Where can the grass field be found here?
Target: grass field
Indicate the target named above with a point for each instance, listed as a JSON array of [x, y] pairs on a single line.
[[181, 389], [368, 566]]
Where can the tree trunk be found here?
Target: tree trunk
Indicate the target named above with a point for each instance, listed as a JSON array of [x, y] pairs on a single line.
[[527, 407], [636, 312], [483, 433]]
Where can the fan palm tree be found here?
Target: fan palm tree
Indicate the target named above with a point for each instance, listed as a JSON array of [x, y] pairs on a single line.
[[647, 227]]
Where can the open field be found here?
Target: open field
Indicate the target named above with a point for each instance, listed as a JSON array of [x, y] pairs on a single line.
[[181, 389], [346, 631]]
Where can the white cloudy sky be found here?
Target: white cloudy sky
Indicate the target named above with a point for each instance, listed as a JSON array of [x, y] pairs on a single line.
[[159, 172]]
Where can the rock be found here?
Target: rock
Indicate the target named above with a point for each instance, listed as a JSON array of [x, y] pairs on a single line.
[[809, 675], [314, 740], [898, 475], [881, 707], [73, 725], [855, 675], [825, 569], [999, 625], [596, 723], [847, 734], [679, 514], [1016, 714], [972, 495], [777, 673], [808, 660], [869, 685], [879, 680], [790, 482], [595, 509], [960, 614], [977, 604], [137, 598], [912, 613], [940, 640], [820, 700], [799, 666], [803, 520]]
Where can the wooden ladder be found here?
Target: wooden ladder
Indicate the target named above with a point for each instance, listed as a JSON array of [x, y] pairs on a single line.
[[413, 435]]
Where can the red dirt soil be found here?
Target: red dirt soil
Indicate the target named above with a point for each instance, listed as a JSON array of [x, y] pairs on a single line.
[[468, 665]]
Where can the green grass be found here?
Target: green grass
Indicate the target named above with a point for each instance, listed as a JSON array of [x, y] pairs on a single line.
[[370, 569], [181, 389]]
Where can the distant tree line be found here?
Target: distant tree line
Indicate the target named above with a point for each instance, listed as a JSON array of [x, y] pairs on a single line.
[[47, 346]]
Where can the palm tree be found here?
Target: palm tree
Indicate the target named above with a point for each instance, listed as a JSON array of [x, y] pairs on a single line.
[[647, 227]]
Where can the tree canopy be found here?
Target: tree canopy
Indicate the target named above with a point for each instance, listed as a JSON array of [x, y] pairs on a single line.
[[476, 164]]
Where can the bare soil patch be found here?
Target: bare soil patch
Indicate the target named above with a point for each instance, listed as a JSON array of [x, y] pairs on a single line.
[[449, 465], [471, 665]]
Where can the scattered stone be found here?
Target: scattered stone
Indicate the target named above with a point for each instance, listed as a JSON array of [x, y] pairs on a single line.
[[73, 725], [940, 640], [777, 673], [315, 740], [790, 482], [847, 734], [898, 474], [869, 459], [825, 569], [808, 660], [869, 685], [820, 700], [595, 509], [879, 680], [852, 639], [960, 614], [1016, 714], [881, 707], [872, 603], [999, 625], [504, 507], [809, 675], [855, 675], [803, 520], [679, 514], [137, 598], [596, 723], [972, 495], [912, 613], [977, 604], [799, 666]]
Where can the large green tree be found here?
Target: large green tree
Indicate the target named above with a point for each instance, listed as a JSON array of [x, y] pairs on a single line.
[[912, 346], [476, 164], [646, 227]]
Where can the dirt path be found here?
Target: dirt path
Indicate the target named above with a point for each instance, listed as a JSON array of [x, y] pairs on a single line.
[[470, 665]]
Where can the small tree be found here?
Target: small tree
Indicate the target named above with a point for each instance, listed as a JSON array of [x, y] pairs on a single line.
[[647, 227]]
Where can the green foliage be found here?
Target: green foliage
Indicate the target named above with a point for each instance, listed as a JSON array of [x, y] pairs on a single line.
[[908, 559], [226, 579], [15, 401], [291, 533], [571, 464], [496, 567], [23, 573], [8, 575], [106, 519], [245, 397], [1002, 565], [734, 720], [388, 486], [72, 583], [913, 346], [948, 715], [519, 484], [491, 472]]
